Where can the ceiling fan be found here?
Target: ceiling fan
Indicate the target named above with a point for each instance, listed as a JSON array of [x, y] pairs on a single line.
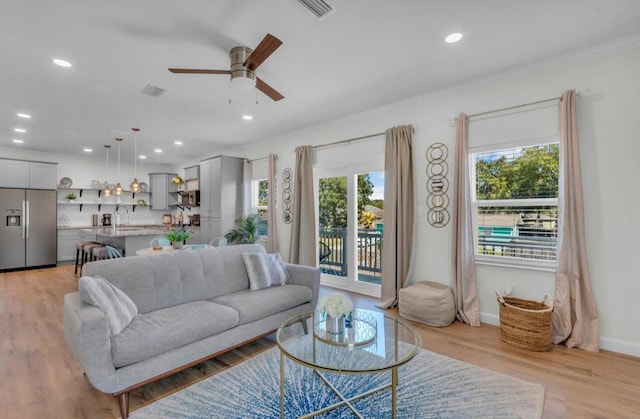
[[244, 62]]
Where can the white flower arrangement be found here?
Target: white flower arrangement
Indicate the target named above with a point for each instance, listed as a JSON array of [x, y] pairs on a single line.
[[335, 305]]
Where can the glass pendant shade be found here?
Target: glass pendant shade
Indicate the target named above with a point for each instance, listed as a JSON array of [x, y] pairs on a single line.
[[118, 190], [107, 189], [135, 186]]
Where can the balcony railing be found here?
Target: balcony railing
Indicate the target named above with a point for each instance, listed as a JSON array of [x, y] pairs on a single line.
[[333, 253]]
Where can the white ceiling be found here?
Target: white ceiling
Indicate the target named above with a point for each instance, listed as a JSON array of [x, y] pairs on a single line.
[[365, 54]]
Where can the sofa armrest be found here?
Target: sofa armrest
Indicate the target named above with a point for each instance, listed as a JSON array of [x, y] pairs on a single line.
[[86, 331], [306, 275]]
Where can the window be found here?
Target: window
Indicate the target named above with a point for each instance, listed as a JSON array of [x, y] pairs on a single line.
[[515, 201], [260, 203]]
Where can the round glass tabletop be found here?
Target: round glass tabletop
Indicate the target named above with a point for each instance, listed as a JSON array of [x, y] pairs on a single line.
[[372, 342]]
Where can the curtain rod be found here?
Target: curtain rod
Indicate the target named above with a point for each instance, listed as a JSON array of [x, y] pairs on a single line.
[[364, 137], [508, 108], [260, 158]]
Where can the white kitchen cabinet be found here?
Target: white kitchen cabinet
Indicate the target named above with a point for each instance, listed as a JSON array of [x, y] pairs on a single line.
[[43, 175], [221, 195], [163, 191], [26, 174], [67, 240]]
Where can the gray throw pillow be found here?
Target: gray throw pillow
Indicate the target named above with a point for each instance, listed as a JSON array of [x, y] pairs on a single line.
[[265, 270], [114, 303]]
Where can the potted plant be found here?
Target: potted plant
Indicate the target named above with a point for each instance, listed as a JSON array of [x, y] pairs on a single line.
[[71, 197], [177, 236], [178, 181], [245, 231]]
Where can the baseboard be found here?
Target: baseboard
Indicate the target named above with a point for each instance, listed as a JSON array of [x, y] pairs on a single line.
[[492, 319], [608, 344], [620, 346]]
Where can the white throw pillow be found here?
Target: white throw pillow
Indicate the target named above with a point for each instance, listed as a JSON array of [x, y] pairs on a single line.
[[265, 270], [116, 305]]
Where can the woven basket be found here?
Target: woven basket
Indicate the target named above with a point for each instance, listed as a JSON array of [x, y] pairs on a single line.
[[525, 324]]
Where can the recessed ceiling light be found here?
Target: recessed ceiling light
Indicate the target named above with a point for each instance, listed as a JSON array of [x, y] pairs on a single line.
[[454, 37], [87, 150], [247, 117], [178, 142], [157, 150], [20, 130], [142, 157], [61, 62], [24, 115], [15, 140]]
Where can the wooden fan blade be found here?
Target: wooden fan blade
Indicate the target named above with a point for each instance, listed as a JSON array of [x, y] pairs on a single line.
[[196, 71], [265, 48], [268, 90]]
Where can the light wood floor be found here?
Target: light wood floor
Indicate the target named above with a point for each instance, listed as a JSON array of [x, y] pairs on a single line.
[[40, 379]]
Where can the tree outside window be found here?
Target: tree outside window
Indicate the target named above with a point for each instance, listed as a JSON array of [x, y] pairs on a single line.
[[516, 196]]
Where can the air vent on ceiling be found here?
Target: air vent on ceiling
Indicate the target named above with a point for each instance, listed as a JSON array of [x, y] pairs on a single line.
[[152, 91], [319, 8]]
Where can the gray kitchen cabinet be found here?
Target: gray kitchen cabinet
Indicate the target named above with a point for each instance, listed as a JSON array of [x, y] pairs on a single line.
[[220, 195], [163, 191], [196, 237], [192, 178], [27, 174], [67, 240]]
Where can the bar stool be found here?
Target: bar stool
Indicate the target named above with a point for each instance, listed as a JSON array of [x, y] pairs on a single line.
[[106, 252], [87, 251], [79, 249]]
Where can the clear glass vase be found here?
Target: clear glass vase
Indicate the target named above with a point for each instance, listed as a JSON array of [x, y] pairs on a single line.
[[335, 325]]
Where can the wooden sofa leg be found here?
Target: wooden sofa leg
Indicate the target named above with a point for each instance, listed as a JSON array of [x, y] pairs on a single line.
[[123, 401]]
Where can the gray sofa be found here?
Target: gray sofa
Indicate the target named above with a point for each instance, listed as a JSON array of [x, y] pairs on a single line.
[[193, 305]]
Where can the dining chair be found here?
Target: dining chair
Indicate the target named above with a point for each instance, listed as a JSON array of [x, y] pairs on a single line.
[[218, 242], [113, 252], [159, 241]]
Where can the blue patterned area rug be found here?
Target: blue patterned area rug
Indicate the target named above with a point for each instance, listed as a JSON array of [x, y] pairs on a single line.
[[430, 386]]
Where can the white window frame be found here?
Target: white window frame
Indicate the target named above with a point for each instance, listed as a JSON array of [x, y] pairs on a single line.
[[512, 262]]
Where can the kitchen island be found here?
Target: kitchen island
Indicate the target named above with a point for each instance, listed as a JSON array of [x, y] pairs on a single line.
[[128, 238]]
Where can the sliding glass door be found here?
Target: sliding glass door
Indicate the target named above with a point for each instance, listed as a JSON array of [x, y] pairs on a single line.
[[350, 209]]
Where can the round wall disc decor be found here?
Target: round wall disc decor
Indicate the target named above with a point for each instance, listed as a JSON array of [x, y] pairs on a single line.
[[437, 185]]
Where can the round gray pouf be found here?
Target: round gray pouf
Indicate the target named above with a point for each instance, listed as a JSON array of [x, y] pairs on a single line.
[[428, 302]]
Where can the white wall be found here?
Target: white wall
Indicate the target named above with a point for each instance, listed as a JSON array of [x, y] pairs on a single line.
[[609, 127]]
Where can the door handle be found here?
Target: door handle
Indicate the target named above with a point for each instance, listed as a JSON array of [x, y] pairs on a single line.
[[26, 222]]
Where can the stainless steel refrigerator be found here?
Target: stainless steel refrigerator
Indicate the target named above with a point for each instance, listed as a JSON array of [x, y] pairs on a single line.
[[28, 236]]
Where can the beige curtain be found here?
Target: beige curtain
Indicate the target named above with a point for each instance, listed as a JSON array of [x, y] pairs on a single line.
[[272, 221], [247, 178], [302, 246], [464, 270], [575, 317], [398, 215]]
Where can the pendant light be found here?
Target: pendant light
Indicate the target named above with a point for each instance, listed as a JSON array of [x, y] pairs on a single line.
[[107, 188], [135, 185], [118, 189]]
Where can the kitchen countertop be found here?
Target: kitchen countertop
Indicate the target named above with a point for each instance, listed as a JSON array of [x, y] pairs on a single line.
[[122, 231]]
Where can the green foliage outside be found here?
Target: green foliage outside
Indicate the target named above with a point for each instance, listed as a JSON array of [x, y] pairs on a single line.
[[263, 192], [532, 174], [333, 199]]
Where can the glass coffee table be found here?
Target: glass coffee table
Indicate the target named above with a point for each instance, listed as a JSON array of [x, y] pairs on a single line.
[[371, 343]]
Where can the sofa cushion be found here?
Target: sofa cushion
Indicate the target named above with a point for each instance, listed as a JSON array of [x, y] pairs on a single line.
[[256, 305], [114, 303], [162, 330], [265, 270]]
